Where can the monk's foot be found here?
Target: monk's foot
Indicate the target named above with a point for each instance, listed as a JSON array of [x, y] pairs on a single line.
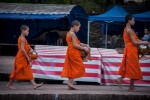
[[11, 87], [133, 90], [37, 86], [143, 58], [119, 82], [70, 86]]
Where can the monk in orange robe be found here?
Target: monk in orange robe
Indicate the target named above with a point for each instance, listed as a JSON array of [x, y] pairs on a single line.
[[73, 66], [22, 65], [130, 67]]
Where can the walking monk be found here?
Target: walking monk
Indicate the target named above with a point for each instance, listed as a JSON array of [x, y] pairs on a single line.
[[22, 68], [130, 67], [73, 66]]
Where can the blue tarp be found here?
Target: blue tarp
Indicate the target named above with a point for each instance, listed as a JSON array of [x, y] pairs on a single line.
[[115, 14], [30, 16], [144, 17], [39, 23]]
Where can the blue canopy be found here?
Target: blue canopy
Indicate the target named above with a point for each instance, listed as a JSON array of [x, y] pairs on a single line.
[[31, 16], [117, 13], [40, 18], [145, 17]]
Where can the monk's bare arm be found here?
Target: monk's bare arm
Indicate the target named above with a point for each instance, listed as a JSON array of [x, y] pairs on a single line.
[[130, 33], [73, 36], [23, 50], [84, 45]]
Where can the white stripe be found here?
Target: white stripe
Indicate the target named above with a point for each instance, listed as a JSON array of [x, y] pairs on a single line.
[[60, 60], [53, 77], [120, 60], [94, 62], [55, 60], [59, 69], [88, 79], [61, 51], [51, 54], [50, 50], [114, 77], [112, 68], [145, 61], [112, 60], [114, 84], [50, 46]]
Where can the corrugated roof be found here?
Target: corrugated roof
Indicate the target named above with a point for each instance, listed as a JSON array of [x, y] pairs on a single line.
[[35, 8]]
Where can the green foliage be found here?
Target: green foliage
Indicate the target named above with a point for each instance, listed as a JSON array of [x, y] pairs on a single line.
[[16, 1]]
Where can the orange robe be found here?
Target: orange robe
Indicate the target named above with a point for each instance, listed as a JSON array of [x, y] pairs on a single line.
[[130, 67], [73, 66], [22, 69]]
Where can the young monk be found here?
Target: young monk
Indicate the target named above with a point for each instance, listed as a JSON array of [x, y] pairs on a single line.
[[130, 67], [73, 66], [22, 67]]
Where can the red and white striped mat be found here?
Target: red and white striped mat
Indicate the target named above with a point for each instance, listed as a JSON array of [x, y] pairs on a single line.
[[51, 59], [111, 61], [102, 69]]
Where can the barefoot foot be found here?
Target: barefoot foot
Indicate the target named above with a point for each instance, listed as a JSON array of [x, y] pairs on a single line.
[[11, 87], [38, 85], [133, 90], [70, 86], [119, 83]]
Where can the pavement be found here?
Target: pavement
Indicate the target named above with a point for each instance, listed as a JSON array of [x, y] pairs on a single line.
[[59, 91]]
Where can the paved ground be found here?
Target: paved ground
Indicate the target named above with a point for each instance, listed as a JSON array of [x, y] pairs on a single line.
[[26, 88], [6, 64]]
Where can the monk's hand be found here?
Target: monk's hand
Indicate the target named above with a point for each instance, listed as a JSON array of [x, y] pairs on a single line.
[[31, 51], [86, 49]]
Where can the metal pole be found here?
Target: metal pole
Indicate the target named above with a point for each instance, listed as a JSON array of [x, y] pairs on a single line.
[[88, 35], [106, 36]]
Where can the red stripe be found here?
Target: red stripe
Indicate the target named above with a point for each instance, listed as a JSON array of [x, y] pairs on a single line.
[[92, 66], [105, 72], [125, 81], [50, 50], [117, 64], [145, 64], [52, 56], [112, 64], [58, 73]]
